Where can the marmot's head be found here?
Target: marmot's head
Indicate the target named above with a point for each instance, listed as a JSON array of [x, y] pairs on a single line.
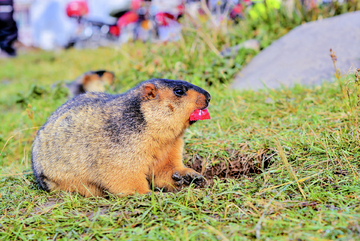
[[96, 81], [168, 104]]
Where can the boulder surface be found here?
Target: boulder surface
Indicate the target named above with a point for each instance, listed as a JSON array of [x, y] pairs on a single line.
[[303, 55]]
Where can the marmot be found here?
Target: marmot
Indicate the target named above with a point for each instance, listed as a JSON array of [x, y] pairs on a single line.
[[91, 81], [121, 144]]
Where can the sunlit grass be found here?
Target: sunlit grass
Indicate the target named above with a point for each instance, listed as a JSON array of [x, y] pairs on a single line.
[[310, 190]]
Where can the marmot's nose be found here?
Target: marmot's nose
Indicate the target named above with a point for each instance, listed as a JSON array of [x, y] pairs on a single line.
[[207, 98]]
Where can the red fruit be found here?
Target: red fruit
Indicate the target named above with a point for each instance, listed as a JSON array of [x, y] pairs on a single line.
[[200, 115]]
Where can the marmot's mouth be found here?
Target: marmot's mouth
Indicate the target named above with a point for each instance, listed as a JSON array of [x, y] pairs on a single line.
[[199, 115]]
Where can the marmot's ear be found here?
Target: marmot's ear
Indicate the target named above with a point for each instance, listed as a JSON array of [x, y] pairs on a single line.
[[108, 77], [85, 79], [88, 78], [149, 92]]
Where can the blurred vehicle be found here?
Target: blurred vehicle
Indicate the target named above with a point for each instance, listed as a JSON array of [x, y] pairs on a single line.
[[52, 28], [91, 33], [138, 20], [152, 20]]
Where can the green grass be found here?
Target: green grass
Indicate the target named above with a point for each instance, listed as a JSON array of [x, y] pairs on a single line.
[[317, 129]]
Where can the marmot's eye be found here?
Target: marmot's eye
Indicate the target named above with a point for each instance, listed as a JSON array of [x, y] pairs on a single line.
[[179, 92]]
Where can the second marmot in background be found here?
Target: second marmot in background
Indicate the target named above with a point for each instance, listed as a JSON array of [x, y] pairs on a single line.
[[122, 144], [91, 81]]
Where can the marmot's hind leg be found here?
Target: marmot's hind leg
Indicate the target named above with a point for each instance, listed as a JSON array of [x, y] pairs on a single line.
[[91, 190], [127, 185], [75, 185], [44, 182]]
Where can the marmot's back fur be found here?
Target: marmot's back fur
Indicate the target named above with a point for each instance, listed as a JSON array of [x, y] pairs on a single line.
[[121, 144]]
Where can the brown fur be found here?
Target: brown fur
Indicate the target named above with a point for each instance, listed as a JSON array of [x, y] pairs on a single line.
[[91, 81], [119, 143]]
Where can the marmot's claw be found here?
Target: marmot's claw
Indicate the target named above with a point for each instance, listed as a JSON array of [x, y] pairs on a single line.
[[176, 176], [199, 180], [179, 181], [187, 179]]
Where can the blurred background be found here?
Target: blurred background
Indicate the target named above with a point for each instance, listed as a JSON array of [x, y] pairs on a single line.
[[52, 24]]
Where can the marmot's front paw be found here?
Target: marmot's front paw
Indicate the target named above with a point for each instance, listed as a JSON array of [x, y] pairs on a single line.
[[188, 177]]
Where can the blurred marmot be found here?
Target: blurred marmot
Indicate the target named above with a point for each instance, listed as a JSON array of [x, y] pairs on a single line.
[[91, 81], [122, 144]]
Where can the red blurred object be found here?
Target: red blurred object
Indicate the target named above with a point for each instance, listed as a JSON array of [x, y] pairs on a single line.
[[248, 2], [114, 30], [163, 18], [181, 9], [77, 8], [127, 18], [200, 115], [236, 11], [136, 4]]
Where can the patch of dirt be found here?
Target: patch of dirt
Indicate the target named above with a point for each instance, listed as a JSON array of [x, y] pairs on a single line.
[[236, 165]]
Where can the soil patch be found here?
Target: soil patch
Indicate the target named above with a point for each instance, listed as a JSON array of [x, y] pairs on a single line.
[[237, 164]]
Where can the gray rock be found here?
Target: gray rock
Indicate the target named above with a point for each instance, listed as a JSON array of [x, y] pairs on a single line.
[[303, 55]]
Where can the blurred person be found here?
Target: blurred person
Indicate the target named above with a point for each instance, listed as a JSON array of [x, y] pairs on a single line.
[[8, 28]]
